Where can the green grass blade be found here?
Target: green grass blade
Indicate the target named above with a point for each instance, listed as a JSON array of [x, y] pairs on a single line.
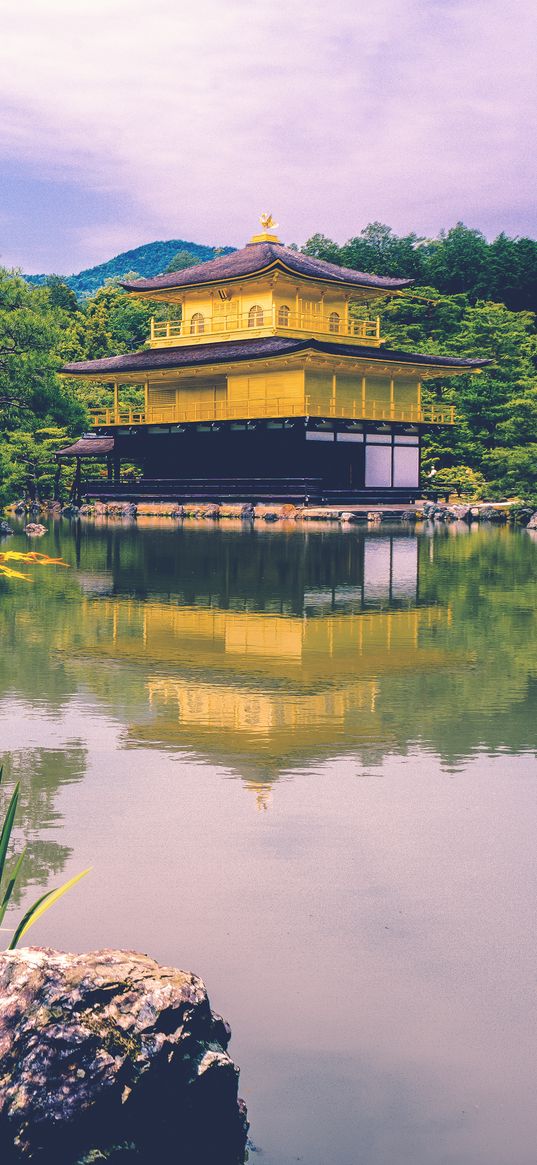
[[41, 906], [11, 885], [22, 924], [7, 827]]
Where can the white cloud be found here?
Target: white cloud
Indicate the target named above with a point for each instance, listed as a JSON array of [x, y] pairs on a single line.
[[413, 111]]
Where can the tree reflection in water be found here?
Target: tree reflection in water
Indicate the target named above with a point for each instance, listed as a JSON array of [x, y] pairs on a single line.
[[41, 773]]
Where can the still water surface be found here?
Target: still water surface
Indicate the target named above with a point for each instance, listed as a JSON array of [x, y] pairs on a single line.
[[301, 764]]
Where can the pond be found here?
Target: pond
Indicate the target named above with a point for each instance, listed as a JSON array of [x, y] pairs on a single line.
[[301, 763]]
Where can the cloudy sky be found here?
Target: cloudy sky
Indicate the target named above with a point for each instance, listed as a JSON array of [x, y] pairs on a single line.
[[125, 121]]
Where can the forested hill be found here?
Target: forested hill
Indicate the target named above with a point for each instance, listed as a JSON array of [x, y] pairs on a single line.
[[149, 260]]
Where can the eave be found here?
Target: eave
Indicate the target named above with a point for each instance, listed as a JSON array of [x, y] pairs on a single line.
[[226, 357], [251, 277]]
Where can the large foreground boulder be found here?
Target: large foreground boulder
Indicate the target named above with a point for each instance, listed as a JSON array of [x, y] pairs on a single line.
[[108, 1056]]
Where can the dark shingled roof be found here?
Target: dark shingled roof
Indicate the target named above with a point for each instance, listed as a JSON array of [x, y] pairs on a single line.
[[88, 447], [256, 257], [227, 351]]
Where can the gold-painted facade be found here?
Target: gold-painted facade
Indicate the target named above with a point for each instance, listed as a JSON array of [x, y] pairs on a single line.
[[350, 384], [271, 303], [304, 386], [262, 313]]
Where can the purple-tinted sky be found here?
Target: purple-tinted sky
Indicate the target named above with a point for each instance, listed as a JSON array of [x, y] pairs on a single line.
[[130, 120]]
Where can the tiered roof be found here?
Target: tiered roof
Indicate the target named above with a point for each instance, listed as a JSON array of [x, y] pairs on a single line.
[[258, 258], [230, 351]]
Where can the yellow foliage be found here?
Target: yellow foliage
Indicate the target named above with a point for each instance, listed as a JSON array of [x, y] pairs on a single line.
[[9, 573], [32, 557]]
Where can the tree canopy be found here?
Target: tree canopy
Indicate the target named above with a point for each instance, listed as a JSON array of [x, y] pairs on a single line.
[[460, 260], [181, 260]]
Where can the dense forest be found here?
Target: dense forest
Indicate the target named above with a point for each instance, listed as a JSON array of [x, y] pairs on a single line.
[[470, 297]]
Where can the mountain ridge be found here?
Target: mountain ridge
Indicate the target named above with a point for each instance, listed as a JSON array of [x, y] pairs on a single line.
[[148, 260]]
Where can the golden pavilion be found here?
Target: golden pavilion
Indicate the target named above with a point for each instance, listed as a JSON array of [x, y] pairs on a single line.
[[268, 385]]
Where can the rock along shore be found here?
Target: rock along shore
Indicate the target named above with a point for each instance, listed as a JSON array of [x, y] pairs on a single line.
[[109, 1056], [469, 512]]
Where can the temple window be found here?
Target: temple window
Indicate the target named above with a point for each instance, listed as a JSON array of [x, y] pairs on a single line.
[[197, 324], [283, 315], [334, 321], [255, 316]]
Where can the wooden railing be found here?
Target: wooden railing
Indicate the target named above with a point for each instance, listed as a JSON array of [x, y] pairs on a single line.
[[207, 489], [385, 411], [300, 490], [166, 333], [259, 409], [240, 410]]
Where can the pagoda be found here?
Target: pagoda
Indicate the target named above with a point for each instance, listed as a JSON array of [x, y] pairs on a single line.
[[268, 385]]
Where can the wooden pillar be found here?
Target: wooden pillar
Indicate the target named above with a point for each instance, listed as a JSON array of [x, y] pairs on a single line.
[[116, 397], [117, 468], [333, 398], [146, 400], [109, 468]]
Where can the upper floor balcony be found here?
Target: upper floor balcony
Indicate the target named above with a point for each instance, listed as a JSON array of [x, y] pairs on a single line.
[[279, 407], [260, 321]]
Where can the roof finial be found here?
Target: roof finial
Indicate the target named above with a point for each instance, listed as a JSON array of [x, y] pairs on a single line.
[[267, 221], [269, 226]]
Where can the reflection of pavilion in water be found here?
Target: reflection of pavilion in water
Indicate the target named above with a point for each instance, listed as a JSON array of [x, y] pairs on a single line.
[[265, 690], [298, 572]]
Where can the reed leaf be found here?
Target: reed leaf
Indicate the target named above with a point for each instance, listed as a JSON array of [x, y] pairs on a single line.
[[11, 885], [7, 827], [39, 907]]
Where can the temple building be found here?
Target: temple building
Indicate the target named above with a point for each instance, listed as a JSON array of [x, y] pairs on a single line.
[[270, 384]]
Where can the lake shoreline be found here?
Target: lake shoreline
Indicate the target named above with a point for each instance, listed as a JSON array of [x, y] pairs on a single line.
[[513, 512]]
